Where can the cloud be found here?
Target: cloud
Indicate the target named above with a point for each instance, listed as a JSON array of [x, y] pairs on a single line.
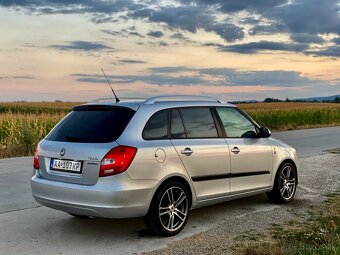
[[298, 16], [308, 16], [149, 79], [306, 38], [129, 61], [136, 34], [81, 45], [267, 29], [123, 32], [179, 36], [187, 76], [169, 69], [252, 5], [250, 20], [111, 32], [164, 44], [305, 21], [234, 77], [331, 51], [23, 77], [191, 18], [156, 34], [236, 6], [100, 18], [254, 47], [336, 40], [73, 6], [228, 31]]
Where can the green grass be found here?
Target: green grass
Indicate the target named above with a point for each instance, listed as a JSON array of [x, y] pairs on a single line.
[[319, 235]]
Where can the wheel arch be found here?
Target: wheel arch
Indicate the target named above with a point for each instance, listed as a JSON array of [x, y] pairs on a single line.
[[291, 161], [179, 179]]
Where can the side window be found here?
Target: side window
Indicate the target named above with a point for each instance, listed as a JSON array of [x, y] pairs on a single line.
[[177, 128], [199, 122], [235, 124], [157, 126]]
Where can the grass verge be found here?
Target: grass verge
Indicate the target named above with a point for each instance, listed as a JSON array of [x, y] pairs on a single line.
[[320, 234]]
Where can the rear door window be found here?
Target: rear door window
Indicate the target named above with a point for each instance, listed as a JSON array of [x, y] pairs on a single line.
[[199, 122], [157, 126], [92, 125]]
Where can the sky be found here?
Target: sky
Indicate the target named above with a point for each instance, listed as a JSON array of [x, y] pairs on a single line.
[[234, 50]]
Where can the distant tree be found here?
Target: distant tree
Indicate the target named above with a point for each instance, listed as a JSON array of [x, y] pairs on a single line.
[[337, 100], [288, 100], [271, 100]]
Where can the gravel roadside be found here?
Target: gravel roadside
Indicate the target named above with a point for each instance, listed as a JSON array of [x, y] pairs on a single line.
[[318, 176]]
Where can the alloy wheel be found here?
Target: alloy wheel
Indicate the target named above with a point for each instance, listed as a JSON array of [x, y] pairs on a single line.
[[173, 208], [287, 182]]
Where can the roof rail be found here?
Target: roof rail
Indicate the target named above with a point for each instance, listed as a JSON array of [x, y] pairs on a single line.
[[156, 99]]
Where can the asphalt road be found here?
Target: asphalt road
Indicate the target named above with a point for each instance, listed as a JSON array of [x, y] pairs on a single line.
[[27, 228], [309, 142]]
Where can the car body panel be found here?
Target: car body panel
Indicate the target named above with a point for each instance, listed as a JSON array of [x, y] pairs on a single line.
[[252, 166], [209, 164], [115, 196]]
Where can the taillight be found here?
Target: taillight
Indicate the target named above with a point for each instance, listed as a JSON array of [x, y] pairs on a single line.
[[35, 159], [117, 160]]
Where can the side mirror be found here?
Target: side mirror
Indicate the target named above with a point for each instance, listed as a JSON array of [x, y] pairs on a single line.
[[265, 132]]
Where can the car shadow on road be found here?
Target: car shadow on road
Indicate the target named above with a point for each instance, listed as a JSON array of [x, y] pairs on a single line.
[[200, 219]]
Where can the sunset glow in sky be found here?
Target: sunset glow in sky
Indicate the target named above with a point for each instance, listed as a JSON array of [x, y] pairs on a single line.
[[235, 50]]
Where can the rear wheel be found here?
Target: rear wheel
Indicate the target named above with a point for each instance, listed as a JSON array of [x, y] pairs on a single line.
[[169, 209], [285, 184]]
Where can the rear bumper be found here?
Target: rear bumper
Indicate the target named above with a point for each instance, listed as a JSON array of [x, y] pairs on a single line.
[[112, 197]]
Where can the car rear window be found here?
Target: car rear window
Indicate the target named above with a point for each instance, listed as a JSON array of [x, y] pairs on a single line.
[[92, 125]]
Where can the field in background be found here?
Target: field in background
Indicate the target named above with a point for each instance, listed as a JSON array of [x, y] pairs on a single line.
[[293, 115], [23, 124]]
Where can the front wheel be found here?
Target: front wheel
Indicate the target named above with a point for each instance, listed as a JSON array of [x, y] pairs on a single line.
[[285, 184], [169, 209]]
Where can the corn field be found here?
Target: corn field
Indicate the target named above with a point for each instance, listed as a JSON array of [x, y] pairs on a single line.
[[23, 124], [288, 116]]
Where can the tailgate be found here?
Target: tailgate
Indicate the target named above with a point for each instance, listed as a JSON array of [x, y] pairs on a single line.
[[88, 155]]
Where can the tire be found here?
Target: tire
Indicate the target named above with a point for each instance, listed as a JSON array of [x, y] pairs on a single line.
[[284, 185], [169, 209]]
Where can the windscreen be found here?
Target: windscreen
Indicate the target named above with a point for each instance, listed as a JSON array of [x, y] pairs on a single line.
[[85, 125]]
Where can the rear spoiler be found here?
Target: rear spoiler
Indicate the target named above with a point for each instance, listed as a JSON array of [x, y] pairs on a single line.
[[98, 107]]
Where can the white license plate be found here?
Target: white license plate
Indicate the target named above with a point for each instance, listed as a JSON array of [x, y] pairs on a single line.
[[65, 165]]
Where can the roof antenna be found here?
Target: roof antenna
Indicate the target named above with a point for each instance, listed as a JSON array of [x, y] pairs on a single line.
[[117, 99]]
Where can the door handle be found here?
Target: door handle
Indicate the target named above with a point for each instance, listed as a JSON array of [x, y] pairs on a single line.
[[187, 151], [235, 150]]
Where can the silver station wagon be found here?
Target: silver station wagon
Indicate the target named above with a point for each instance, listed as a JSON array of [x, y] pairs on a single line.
[[158, 159]]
